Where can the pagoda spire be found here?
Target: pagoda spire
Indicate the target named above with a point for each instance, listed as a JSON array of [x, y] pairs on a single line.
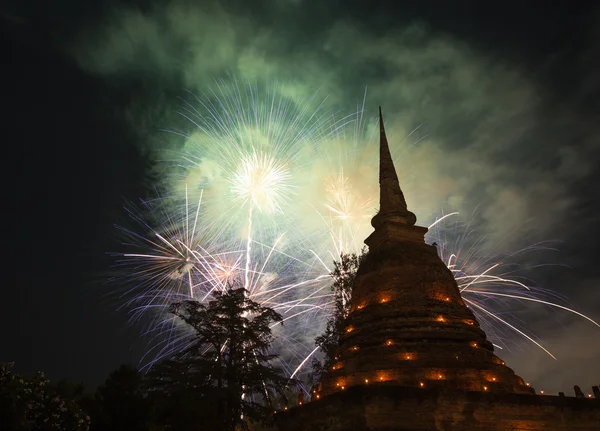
[[392, 205]]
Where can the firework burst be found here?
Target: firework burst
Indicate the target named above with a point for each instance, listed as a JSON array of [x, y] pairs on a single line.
[[265, 195]]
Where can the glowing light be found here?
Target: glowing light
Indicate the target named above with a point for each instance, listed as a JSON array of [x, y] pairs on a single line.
[[388, 343], [349, 329], [421, 384], [441, 319], [485, 388], [366, 380]]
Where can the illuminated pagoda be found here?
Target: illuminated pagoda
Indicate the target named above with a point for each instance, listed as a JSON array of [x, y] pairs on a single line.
[[412, 355]]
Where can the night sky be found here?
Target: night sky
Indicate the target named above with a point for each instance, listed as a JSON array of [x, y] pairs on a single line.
[[87, 89]]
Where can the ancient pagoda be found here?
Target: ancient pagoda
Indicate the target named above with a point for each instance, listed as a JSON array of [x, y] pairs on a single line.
[[408, 325], [412, 356]]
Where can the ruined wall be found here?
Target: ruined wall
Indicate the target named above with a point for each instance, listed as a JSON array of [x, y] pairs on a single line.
[[380, 408]]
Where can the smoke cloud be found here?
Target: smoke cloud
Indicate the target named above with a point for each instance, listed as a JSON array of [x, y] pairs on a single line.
[[492, 140]]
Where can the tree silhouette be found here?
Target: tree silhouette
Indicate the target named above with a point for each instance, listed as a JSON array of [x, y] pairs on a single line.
[[344, 277], [225, 377], [34, 404], [120, 403]]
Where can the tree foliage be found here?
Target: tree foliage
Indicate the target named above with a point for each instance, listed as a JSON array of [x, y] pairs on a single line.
[[344, 278], [226, 367], [120, 403], [34, 404]]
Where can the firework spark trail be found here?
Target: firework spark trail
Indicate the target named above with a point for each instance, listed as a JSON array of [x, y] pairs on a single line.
[[479, 285]]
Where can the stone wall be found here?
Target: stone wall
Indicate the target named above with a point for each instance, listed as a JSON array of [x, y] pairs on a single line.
[[381, 408]]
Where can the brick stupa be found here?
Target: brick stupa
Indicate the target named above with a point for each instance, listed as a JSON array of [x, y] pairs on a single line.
[[408, 324], [413, 356]]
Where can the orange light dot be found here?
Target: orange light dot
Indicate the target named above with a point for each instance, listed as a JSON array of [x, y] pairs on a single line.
[[439, 376], [366, 380], [383, 300], [337, 384], [299, 403], [381, 378], [485, 388], [318, 396], [493, 379], [285, 408], [541, 392], [441, 319], [589, 395], [447, 298], [388, 342], [343, 388], [349, 329], [527, 384], [421, 384]]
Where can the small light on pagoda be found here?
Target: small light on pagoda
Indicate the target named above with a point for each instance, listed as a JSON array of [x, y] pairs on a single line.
[[421, 384], [361, 306], [447, 299], [285, 408], [384, 300], [388, 343], [349, 329], [589, 395], [473, 344], [299, 403], [542, 392], [355, 348], [408, 356], [366, 380], [337, 384], [493, 379], [503, 363], [441, 319], [485, 388], [343, 387], [381, 379], [440, 377], [527, 384], [318, 396]]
